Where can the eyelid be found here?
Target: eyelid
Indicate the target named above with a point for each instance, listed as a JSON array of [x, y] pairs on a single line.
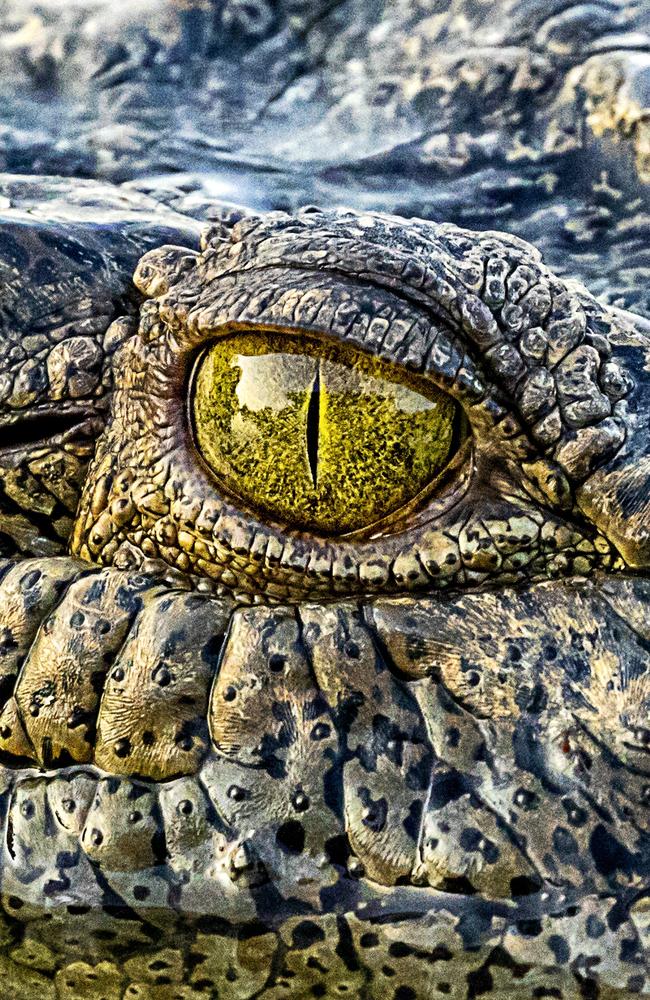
[[374, 320]]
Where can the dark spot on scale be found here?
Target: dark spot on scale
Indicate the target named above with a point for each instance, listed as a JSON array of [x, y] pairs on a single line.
[[337, 850], [7, 640], [276, 663], [447, 787], [66, 859], [290, 837], [27, 809], [140, 892], [458, 884], [161, 676], [564, 843], [412, 823], [369, 940], [608, 853], [560, 949], [529, 928], [576, 815], [320, 731], [79, 717], [122, 748], [523, 885], [148, 738], [399, 950], [594, 926], [525, 799], [375, 811], [471, 839], [54, 886], [306, 934]]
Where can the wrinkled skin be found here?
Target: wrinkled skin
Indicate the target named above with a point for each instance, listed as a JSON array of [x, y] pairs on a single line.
[[241, 760], [215, 719]]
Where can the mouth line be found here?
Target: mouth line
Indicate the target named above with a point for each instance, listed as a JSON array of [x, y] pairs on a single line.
[[50, 425]]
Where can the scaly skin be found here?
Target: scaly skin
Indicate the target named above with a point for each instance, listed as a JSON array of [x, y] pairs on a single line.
[[241, 760]]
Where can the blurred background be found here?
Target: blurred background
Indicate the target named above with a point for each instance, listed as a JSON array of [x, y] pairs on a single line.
[[531, 116]]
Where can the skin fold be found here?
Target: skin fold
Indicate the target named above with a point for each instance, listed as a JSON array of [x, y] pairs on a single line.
[[242, 758]]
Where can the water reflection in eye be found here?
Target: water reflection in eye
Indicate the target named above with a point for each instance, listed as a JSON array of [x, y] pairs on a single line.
[[317, 436]]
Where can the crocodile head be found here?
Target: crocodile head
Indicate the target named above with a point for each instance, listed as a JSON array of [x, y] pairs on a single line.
[[350, 646]]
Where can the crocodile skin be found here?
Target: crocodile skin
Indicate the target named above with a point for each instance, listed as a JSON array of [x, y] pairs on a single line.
[[239, 760], [257, 762]]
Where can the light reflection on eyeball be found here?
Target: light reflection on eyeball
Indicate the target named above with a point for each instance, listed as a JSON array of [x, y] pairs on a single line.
[[317, 435]]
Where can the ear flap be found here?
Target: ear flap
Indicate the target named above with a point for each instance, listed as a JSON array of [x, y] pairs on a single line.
[[616, 498]]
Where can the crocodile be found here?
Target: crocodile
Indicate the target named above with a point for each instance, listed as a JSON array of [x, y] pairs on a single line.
[[248, 752], [346, 694]]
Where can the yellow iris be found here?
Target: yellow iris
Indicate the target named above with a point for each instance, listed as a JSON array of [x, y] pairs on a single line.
[[315, 434]]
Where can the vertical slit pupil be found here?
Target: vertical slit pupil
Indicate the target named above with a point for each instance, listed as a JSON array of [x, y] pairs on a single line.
[[313, 420]]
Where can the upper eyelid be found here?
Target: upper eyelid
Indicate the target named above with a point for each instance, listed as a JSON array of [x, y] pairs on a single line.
[[485, 287], [347, 309]]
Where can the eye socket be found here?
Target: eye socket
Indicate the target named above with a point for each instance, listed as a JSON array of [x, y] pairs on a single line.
[[318, 435]]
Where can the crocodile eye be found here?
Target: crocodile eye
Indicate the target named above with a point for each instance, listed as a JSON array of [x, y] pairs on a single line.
[[318, 435]]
